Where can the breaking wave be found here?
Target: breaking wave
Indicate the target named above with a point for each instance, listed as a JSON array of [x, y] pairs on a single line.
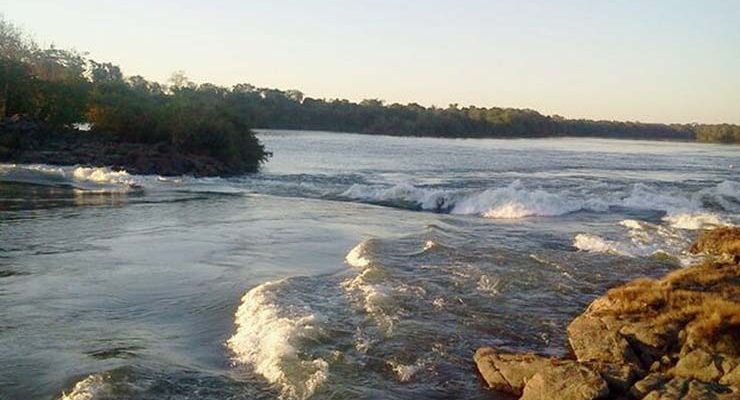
[[645, 239], [266, 339], [695, 221], [90, 388], [87, 178], [514, 201], [510, 202], [597, 244], [357, 257]]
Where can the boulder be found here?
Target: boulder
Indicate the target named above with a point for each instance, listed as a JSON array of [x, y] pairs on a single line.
[[568, 380], [508, 372], [597, 339]]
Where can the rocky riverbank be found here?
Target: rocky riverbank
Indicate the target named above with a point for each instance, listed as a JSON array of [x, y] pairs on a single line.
[[677, 337], [25, 141]]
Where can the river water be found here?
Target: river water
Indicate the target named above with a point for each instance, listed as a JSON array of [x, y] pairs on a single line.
[[351, 267]]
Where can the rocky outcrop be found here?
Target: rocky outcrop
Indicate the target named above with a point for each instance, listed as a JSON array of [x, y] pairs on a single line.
[[677, 337], [536, 377], [26, 141]]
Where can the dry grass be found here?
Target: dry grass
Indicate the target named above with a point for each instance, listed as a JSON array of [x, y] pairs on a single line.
[[704, 299], [725, 240]]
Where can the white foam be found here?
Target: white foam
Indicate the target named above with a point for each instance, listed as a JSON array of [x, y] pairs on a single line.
[[695, 221], [265, 339], [488, 285], [375, 298], [510, 202], [404, 373], [515, 201], [79, 177], [357, 257], [427, 199], [632, 224], [102, 175], [597, 244], [90, 388]]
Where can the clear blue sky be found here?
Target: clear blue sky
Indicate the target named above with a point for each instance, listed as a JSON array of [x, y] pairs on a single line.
[[666, 61]]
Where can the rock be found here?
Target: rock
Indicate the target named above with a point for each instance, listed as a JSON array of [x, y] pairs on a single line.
[[725, 240], [566, 381], [508, 372], [732, 377], [619, 377], [597, 339], [649, 341], [690, 389], [648, 384], [698, 364]]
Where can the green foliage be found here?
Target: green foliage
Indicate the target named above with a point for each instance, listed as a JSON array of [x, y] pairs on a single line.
[[194, 119], [271, 108], [62, 87], [48, 85]]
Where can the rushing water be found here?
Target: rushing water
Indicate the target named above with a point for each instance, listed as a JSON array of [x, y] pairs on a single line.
[[351, 267]]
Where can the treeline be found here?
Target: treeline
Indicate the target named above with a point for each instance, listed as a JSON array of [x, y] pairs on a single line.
[[62, 88], [271, 108]]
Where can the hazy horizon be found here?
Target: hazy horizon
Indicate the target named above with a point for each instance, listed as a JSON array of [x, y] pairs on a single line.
[[671, 62]]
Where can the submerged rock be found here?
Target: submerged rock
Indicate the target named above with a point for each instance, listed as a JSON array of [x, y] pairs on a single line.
[[677, 337]]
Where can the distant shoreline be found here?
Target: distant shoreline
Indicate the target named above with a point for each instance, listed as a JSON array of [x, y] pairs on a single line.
[[647, 139]]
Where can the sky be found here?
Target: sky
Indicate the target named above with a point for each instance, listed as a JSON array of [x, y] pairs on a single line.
[[642, 60]]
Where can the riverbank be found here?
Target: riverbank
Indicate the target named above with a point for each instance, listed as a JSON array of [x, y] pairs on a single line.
[[677, 337], [25, 141]]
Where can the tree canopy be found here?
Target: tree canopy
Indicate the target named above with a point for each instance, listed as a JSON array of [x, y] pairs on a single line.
[[63, 88]]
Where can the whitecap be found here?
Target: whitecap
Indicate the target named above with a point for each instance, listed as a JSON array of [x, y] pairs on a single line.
[[90, 388], [266, 339], [695, 221], [88, 178], [357, 256], [597, 244], [514, 201]]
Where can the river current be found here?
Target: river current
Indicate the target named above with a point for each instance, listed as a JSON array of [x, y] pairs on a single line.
[[351, 267]]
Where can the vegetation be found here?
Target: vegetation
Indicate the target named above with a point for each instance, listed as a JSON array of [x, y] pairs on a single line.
[[62, 88]]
